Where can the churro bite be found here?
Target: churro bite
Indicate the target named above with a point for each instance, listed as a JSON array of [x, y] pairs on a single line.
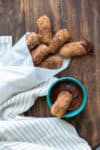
[[59, 39], [44, 27], [33, 39], [75, 49], [62, 103], [52, 62], [66, 96], [39, 53]]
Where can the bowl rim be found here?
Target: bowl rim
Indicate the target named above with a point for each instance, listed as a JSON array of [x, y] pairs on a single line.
[[84, 93]]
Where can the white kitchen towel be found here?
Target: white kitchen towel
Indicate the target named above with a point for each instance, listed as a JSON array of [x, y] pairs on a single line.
[[20, 84]]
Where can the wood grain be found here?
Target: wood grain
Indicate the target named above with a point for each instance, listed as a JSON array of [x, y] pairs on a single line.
[[82, 18]]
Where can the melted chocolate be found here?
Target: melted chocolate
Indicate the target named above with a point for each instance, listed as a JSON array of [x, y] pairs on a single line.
[[87, 45], [72, 88]]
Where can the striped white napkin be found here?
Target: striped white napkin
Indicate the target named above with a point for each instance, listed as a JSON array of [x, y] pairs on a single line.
[[20, 84]]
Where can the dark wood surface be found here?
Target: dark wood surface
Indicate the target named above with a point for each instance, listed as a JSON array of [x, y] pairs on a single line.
[[82, 18]]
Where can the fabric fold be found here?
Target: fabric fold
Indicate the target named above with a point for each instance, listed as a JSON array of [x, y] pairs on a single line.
[[42, 132]]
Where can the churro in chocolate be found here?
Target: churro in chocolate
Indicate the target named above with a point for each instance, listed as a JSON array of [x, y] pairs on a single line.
[[75, 49], [62, 103]]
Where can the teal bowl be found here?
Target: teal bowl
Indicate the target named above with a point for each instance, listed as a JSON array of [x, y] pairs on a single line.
[[84, 95]]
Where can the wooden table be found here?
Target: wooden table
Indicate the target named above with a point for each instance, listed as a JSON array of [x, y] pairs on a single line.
[[82, 18]]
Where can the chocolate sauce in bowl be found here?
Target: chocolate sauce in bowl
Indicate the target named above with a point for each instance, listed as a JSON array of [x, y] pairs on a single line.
[[72, 88]]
